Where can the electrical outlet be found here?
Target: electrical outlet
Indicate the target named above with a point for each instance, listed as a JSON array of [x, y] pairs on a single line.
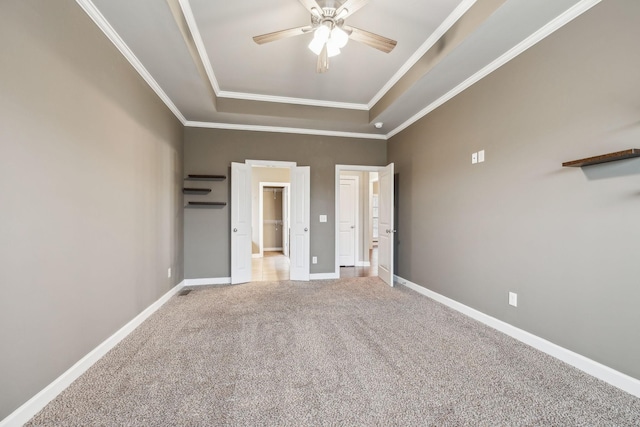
[[480, 156], [513, 299], [314, 260], [323, 218], [474, 158], [169, 272]]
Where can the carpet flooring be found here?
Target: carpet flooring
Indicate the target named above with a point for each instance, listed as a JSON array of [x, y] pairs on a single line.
[[328, 353]]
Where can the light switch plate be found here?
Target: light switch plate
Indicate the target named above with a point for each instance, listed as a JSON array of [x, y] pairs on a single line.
[[323, 218], [474, 158], [480, 156], [314, 260], [513, 299]]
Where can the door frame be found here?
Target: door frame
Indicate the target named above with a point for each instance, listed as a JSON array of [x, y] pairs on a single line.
[[356, 222], [285, 217], [293, 166], [345, 168]]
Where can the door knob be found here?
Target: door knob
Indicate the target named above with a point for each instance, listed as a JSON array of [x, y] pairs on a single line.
[[306, 229], [353, 226], [235, 230]]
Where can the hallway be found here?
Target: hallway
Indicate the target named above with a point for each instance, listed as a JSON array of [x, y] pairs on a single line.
[[370, 271], [273, 266]]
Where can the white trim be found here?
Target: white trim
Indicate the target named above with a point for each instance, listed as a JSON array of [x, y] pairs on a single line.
[[324, 276], [34, 405], [270, 163], [446, 25], [273, 249], [363, 264], [197, 39], [205, 282], [341, 168], [555, 24], [615, 378], [295, 101], [117, 41], [280, 129], [256, 256], [206, 62], [539, 35]]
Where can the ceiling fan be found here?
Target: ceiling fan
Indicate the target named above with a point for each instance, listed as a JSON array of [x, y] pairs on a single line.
[[330, 32]]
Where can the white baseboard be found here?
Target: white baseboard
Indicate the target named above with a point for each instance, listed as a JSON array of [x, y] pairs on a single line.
[[324, 276], [256, 256], [29, 409], [272, 250], [205, 282], [363, 264], [615, 378]]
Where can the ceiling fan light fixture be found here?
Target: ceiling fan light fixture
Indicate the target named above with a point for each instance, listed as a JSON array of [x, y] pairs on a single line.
[[330, 34], [332, 48], [322, 33], [316, 45], [339, 37]]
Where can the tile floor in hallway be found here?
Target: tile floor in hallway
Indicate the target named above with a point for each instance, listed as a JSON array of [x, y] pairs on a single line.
[[272, 266], [275, 266]]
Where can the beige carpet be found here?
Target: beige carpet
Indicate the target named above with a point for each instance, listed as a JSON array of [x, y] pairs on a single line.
[[328, 353]]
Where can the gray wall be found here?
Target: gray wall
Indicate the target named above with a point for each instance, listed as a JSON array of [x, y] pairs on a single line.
[[207, 244], [565, 239], [91, 209]]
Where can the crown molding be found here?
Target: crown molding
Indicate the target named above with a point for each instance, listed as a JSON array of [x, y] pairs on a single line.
[[102, 23], [557, 23], [204, 57], [296, 101], [197, 39], [552, 26], [446, 25], [276, 129]]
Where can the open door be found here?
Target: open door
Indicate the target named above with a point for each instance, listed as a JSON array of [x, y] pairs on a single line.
[[347, 221], [385, 225], [240, 223], [300, 221], [285, 221]]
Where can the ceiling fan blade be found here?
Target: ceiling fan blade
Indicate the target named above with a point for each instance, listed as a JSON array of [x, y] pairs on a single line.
[[322, 65], [313, 7], [370, 39], [349, 7], [277, 35]]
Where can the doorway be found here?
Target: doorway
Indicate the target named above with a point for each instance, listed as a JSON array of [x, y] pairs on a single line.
[[349, 219], [270, 216], [245, 230], [366, 212], [272, 260]]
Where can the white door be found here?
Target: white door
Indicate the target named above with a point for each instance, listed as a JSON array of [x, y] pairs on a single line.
[[347, 226], [385, 224], [300, 221], [240, 223], [285, 221]]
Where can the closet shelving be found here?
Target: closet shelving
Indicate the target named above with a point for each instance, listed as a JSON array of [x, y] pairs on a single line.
[[202, 191]]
